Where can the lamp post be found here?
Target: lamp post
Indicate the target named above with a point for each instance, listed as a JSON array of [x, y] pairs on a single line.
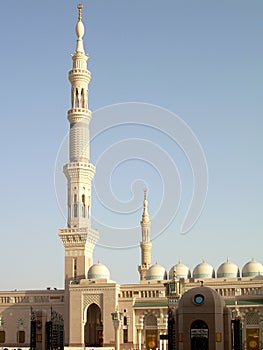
[[237, 328], [117, 320]]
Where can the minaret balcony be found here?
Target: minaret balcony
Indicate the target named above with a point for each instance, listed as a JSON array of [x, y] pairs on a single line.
[[78, 236], [76, 115], [80, 165], [77, 74], [79, 170]]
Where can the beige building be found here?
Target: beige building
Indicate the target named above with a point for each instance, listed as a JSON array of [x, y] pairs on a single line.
[[95, 310]]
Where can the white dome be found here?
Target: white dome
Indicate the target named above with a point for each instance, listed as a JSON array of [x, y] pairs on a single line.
[[156, 272], [179, 270], [252, 268], [204, 270], [98, 271], [228, 269]]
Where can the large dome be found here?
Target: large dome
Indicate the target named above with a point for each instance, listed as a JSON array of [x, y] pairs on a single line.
[[228, 269], [98, 271], [179, 270], [252, 268], [204, 270], [156, 272]]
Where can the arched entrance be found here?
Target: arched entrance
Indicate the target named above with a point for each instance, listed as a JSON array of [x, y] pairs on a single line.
[[93, 330], [199, 335], [151, 332]]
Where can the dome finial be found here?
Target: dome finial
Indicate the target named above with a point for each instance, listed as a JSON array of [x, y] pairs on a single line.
[[145, 194], [80, 7]]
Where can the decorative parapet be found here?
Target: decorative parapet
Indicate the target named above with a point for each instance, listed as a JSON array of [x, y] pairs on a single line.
[[18, 298], [72, 237]]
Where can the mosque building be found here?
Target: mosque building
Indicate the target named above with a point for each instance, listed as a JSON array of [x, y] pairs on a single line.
[[94, 311]]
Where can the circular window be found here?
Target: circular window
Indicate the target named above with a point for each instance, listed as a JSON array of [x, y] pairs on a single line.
[[198, 299]]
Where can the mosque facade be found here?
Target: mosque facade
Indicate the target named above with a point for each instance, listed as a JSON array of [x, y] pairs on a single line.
[[94, 311]]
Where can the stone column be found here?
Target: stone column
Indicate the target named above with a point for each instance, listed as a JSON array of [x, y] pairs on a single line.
[[161, 344], [139, 327], [139, 339], [164, 344], [162, 331]]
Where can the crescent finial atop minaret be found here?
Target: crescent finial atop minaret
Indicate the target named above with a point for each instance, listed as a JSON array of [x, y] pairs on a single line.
[[80, 7]]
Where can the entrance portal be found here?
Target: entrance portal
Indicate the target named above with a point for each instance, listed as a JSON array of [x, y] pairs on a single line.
[[151, 339], [93, 329], [199, 335]]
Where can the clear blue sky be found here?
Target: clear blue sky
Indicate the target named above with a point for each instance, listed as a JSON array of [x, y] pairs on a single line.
[[200, 60]]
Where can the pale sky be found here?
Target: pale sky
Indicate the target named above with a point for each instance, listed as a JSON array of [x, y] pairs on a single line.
[[201, 61]]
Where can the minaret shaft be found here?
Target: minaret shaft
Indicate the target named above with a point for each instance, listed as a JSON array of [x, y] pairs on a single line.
[[146, 244], [78, 238]]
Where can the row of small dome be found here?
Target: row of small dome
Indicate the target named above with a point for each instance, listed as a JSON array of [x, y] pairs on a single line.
[[202, 270], [205, 270]]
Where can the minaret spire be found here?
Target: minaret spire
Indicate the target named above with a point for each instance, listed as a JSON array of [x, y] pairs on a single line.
[[145, 215], [146, 244], [78, 238], [80, 30]]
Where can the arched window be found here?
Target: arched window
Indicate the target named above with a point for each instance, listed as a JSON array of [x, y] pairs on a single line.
[[75, 210], [82, 98], [75, 206], [77, 99], [83, 206], [74, 268]]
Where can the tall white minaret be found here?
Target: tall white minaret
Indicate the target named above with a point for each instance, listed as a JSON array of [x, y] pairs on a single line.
[[146, 244], [78, 238]]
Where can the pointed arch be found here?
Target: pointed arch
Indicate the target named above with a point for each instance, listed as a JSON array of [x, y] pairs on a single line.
[[93, 329], [150, 321], [83, 205], [82, 98]]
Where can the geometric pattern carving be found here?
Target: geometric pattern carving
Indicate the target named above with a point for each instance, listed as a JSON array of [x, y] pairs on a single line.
[[88, 299], [78, 237], [252, 318], [79, 143]]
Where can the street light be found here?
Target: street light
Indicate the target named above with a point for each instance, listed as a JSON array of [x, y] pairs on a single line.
[[117, 320]]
